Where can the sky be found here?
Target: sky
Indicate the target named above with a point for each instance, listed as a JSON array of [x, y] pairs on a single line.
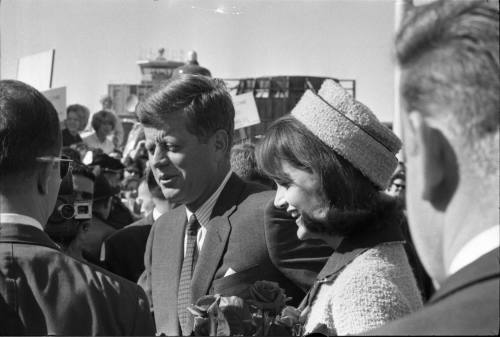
[[98, 42]]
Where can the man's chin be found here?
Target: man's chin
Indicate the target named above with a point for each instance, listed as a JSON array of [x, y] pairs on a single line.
[[171, 194]]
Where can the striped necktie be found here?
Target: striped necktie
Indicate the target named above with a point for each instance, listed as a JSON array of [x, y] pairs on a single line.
[[184, 294]]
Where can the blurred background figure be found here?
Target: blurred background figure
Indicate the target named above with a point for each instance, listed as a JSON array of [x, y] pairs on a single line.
[[83, 116], [70, 134], [99, 228], [83, 182], [116, 154], [112, 170], [117, 135], [243, 163], [129, 193], [123, 251], [103, 123], [69, 218]]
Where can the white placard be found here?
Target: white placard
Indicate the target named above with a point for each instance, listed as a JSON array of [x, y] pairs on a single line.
[[36, 69], [57, 97], [246, 113]]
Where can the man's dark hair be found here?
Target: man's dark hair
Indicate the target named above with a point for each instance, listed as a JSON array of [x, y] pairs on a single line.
[[29, 127], [204, 102], [353, 198], [449, 56]]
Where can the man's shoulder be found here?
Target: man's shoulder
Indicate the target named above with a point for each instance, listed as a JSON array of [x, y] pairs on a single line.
[[75, 274], [135, 231], [107, 280], [471, 310]]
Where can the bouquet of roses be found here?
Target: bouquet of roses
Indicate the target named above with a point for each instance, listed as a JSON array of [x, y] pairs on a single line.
[[259, 315]]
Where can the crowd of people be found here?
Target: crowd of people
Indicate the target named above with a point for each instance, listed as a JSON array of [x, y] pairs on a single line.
[[102, 235]]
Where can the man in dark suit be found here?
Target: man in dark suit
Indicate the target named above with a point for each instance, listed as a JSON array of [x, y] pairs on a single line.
[[223, 238], [43, 290], [123, 251], [449, 55]]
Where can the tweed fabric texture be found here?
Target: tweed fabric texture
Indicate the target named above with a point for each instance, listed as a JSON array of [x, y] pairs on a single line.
[[378, 286], [184, 293], [351, 130]]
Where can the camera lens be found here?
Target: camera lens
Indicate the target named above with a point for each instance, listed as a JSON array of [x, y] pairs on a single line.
[[67, 211]]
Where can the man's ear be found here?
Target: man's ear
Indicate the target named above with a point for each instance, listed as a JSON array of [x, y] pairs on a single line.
[[435, 160], [221, 142], [43, 177]]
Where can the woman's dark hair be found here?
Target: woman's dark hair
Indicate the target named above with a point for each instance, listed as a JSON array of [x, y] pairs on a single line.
[[102, 117], [353, 197]]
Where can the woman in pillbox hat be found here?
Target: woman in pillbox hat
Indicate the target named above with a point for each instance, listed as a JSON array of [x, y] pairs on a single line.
[[331, 160]]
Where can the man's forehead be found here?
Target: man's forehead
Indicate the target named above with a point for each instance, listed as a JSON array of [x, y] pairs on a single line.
[[170, 128]]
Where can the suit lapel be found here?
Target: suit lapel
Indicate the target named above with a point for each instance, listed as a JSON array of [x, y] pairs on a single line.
[[213, 248], [167, 261], [218, 230]]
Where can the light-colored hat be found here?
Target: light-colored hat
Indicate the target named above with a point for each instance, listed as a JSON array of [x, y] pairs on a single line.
[[350, 129]]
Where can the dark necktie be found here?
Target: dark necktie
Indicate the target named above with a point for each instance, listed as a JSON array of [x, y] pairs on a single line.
[[184, 294]]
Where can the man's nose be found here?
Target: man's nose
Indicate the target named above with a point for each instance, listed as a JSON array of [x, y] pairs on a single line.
[[159, 158]]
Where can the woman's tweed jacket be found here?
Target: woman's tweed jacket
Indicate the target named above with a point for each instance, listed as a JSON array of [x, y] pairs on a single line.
[[365, 283]]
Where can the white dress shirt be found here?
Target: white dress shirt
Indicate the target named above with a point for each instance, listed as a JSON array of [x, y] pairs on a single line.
[[481, 244], [19, 219], [203, 214], [156, 214]]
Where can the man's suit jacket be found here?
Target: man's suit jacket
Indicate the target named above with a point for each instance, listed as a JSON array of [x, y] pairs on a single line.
[[124, 249], [50, 293], [241, 235], [467, 304]]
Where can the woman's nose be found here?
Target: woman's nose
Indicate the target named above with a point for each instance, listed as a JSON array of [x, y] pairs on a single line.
[[279, 198]]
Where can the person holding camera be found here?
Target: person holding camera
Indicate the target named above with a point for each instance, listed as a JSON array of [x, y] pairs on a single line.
[[45, 291], [69, 217]]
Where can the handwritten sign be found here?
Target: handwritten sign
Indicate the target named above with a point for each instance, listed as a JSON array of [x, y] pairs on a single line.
[[57, 97], [246, 113]]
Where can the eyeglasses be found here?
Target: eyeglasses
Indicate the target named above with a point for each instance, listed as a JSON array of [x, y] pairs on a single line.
[[64, 163]]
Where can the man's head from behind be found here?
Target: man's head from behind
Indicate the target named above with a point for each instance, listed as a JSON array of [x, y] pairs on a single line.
[[448, 52], [189, 127], [29, 130]]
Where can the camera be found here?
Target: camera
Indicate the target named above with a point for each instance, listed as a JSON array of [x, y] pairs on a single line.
[[79, 210]]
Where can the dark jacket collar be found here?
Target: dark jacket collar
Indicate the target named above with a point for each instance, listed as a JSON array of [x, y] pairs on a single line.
[[484, 268], [17, 233], [351, 247], [229, 196]]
